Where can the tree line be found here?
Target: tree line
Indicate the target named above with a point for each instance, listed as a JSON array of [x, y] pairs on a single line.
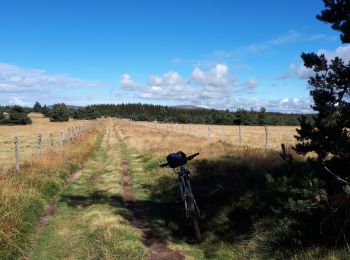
[[145, 112]]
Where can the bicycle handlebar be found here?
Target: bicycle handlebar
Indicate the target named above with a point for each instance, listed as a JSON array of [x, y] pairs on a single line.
[[189, 158], [163, 165], [180, 161]]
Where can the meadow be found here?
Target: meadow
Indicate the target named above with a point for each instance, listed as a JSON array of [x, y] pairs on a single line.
[[245, 214], [28, 137], [240, 219], [252, 136], [24, 195]]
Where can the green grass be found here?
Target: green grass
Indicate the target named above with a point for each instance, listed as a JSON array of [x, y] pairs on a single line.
[[90, 222], [162, 207], [20, 209], [233, 202]]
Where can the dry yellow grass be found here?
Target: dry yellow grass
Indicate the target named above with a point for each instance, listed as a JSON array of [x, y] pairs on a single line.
[[24, 195], [159, 142], [253, 136], [27, 135]]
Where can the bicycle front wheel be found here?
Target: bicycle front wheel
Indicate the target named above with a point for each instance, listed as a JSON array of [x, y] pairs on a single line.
[[196, 230]]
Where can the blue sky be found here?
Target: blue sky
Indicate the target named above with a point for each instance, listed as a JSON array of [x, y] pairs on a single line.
[[216, 54]]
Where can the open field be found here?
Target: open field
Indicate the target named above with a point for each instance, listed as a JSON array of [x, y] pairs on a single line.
[[24, 195], [27, 135], [120, 200], [253, 136], [229, 184]]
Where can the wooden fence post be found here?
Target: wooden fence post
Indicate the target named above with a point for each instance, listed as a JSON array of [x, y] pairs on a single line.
[[266, 137], [51, 141], [68, 134], [38, 147], [222, 135], [240, 135], [208, 133], [61, 140], [15, 141]]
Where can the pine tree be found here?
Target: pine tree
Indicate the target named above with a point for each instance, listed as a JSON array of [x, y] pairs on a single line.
[[37, 107], [18, 116], [59, 113], [337, 13], [328, 133]]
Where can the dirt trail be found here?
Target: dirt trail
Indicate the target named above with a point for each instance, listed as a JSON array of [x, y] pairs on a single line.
[[157, 245], [97, 191], [51, 210]]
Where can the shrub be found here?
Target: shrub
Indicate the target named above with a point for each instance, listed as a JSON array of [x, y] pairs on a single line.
[[45, 111], [37, 107], [59, 113], [17, 116], [88, 113], [2, 116]]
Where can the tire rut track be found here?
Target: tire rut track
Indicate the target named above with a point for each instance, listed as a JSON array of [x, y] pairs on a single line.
[[51, 211], [156, 244]]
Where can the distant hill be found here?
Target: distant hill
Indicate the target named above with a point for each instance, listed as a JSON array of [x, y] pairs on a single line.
[[69, 106], [188, 107]]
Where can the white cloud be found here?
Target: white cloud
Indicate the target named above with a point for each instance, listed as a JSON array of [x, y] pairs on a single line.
[[342, 52], [172, 78], [289, 73], [169, 79], [155, 80], [24, 86], [18, 101], [285, 105], [304, 73], [301, 72], [127, 82], [14, 79], [217, 76], [291, 36], [250, 83], [212, 86]]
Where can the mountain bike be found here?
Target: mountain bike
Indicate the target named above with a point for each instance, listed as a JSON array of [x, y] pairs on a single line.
[[179, 159]]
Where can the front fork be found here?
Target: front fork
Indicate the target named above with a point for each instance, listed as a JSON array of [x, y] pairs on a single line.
[[191, 207]]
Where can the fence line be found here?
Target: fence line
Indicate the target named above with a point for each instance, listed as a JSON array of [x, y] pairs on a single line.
[[263, 136], [50, 143]]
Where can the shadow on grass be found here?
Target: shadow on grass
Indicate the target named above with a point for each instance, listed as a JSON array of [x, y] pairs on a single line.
[[229, 194], [149, 215], [96, 197]]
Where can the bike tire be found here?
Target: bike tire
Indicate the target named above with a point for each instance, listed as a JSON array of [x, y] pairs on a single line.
[[196, 230]]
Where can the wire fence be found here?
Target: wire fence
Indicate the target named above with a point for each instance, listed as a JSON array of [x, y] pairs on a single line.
[[22, 147], [268, 137]]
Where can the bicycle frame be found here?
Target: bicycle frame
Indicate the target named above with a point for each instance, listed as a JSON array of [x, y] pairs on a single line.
[[191, 207]]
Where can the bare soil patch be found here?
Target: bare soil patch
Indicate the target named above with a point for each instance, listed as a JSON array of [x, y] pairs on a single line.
[[157, 245]]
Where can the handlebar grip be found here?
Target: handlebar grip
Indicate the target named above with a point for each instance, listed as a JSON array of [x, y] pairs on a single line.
[[192, 156], [163, 165]]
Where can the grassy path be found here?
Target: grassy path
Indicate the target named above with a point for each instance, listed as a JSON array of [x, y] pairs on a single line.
[[97, 215]]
